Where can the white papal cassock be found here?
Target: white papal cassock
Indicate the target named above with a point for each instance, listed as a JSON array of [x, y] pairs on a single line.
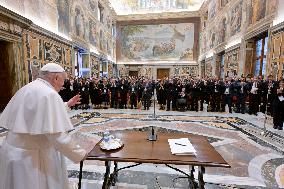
[[31, 156]]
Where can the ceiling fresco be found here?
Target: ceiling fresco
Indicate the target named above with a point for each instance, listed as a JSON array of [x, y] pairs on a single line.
[[126, 7]]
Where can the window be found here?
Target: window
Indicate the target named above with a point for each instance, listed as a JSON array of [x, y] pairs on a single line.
[[113, 30], [100, 13], [222, 72], [260, 56]]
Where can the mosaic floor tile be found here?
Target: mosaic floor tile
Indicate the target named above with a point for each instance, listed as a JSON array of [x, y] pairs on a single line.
[[95, 120]]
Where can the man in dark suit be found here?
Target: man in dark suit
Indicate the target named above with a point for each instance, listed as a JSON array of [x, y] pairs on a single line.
[[254, 96], [227, 92], [269, 93], [278, 107], [241, 88]]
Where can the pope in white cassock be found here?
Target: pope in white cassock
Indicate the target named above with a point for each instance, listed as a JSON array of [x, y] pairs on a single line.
[[32, 155]]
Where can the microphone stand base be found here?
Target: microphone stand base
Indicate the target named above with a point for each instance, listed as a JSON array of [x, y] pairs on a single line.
[[152, 137]]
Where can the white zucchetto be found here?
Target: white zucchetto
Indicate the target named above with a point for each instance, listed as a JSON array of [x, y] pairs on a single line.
[[52, 67]]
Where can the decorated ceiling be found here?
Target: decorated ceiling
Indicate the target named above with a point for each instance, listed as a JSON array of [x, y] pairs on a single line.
[[126, 7]]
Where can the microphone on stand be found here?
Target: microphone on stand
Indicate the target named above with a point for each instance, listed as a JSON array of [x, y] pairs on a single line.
[[152, 136]]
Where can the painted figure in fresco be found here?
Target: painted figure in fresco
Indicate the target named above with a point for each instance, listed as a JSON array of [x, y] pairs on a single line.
[[224, 2], [236, 18], [212, 42], [261, 9], [212, 9], [63, 16], [222, 31], [177, 35], [187, 54], [92, 6], [79, 23], [92, 33], [164, 48]]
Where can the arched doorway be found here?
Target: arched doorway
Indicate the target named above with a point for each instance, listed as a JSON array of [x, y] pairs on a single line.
[[5, 78]]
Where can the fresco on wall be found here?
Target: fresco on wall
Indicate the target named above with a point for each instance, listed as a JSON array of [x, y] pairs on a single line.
[[93, 5], [212, 38], [79, 23], [256, 10], [17, 6], [272, 6], [222, 27], [203, 48], [108, 22], [224, 2], [93, 33], [259, 10], [158, 42], [33, 9], [212, 9], [103, 42], [236, 18], [63, 16]]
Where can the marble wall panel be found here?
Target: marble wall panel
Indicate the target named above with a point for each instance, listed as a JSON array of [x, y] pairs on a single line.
[[209, 67], [94, 65], [232, 63], [110, 70], [39, 50]]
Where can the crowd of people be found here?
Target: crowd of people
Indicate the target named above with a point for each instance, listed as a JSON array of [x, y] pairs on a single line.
[[242, 95]]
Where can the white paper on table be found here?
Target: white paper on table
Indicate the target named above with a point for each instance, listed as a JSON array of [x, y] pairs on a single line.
[[86, 141], [181, 146]]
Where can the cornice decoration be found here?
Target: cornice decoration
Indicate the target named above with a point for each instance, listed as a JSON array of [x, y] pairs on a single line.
[[39, 30], [234, 47], [164, 15], [12, 23], [277, 28], [258, 29], [221, 47], [159, 63], [14, 17]]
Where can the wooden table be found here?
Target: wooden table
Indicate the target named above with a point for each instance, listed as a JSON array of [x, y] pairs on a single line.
[[139, 150]]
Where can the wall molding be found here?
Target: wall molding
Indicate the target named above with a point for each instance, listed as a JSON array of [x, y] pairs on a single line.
[[277, 28], [234, 47], [46, 33], [264, 27], [12, 17], [158, 16]]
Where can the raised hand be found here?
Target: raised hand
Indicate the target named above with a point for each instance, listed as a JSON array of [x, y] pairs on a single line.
[[75, 100]]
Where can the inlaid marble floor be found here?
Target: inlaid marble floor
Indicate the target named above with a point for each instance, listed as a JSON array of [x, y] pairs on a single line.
[[256, 161]]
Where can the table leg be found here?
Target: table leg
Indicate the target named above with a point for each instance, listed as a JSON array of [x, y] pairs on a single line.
[[106, 183], [114, 174], [192, 172], [80, 174], [201, 171]]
